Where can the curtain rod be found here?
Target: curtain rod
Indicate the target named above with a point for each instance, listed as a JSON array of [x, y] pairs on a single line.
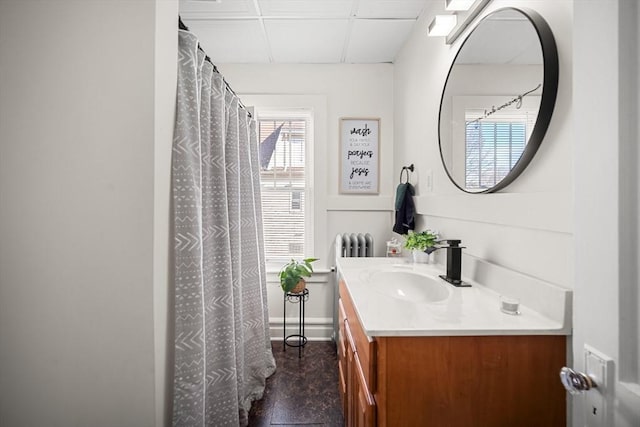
[[182, 26]]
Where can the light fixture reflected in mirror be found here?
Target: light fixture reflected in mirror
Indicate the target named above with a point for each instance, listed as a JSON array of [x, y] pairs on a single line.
[[458, 4], [442, 25]]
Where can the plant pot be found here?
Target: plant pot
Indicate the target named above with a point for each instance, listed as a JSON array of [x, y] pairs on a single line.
[[299, 287], [421, 257]]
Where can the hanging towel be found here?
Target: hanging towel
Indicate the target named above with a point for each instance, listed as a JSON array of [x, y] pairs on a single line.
[[405, 209]]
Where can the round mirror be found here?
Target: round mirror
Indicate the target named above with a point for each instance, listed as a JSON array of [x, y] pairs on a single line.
[[498, 100]]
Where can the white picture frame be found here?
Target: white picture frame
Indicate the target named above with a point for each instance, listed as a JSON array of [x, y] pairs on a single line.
[[359, 156]]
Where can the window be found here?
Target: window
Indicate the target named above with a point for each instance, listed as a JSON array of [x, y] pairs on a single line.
[[296, 200], [493, 147], [283, 145]]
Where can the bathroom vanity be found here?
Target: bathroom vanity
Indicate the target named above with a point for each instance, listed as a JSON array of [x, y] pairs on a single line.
[[411, 356]]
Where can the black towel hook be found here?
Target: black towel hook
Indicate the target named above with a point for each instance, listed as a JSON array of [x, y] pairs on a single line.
[[406, 168]]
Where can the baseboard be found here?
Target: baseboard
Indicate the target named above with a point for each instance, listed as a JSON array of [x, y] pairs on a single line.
[[279, 339], [315, 328]]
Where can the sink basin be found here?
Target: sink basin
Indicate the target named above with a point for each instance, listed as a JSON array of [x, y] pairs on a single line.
[[409, 286]]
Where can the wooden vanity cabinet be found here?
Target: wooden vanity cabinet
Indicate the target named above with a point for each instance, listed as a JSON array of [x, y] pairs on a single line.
[[449, 380]]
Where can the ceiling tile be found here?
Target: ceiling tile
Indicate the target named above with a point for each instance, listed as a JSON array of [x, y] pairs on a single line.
[[309, 41], [375, 41], [391, 8], [239, 41], [213, 9], [521, 47], [301, 31], [307, 8]]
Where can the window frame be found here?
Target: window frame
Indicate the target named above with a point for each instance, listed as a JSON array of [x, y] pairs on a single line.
[[306, 115]]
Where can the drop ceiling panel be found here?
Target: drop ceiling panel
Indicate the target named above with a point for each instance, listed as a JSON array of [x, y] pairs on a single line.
[[308, 41], [374, 41], [213, 9], [390, 8], [231, 41], [306, 8], [302, 31]]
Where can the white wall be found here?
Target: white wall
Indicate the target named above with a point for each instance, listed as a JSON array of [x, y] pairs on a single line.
[[80, 268], [166, 75], [527, 227], [348, 91], [333, 91]]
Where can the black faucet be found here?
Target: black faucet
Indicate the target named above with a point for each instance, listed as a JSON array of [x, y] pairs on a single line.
[[454, 261]]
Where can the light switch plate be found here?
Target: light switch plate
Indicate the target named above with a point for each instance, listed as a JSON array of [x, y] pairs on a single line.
[[429, 181], [598, 400]]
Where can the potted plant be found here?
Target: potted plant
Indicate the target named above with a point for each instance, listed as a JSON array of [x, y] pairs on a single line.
[[293, 273], [418, 242]]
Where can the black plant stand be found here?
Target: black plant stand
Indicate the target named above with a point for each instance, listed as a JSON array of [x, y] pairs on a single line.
[[295, 340]]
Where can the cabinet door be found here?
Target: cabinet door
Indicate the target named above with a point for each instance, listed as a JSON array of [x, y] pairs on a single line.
[[365, 406], [363, 344], [361, 408], [342, 361], [349, 414], [342, 379]]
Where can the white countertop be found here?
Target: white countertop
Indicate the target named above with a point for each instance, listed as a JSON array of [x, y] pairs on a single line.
[[467, 311]]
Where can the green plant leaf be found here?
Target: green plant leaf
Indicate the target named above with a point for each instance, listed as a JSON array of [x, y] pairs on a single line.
[[421, 240], [293, 271]]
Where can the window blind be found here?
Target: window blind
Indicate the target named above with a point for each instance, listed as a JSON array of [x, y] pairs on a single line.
[[282, 157], [494, 146]]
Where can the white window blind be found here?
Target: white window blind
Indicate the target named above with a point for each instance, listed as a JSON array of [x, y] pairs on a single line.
[[494, 146], [282, 173]]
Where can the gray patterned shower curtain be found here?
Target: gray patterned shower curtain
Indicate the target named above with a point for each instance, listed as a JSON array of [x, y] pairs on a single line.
[[222, 346]]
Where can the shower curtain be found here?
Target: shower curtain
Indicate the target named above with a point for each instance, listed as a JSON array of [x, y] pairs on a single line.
[[222, 344]]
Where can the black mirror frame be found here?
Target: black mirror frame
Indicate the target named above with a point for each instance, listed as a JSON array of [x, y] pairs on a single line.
[[547, 101]]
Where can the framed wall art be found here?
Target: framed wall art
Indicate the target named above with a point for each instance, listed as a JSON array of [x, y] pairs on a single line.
[[359, 155]]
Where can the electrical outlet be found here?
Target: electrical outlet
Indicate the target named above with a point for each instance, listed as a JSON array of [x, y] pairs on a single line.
[[597, 400]]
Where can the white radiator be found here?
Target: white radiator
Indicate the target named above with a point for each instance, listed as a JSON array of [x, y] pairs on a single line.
[[354, 245], [348, 245]]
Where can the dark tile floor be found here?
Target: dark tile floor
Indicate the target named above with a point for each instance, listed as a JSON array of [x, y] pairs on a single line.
[[302, 391]]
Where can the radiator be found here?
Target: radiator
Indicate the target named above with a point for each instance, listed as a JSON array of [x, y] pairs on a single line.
[[348, 245], [354, 245]]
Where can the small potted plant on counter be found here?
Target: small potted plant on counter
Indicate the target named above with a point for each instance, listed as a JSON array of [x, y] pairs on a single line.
[[418, 242], [293, 273]]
